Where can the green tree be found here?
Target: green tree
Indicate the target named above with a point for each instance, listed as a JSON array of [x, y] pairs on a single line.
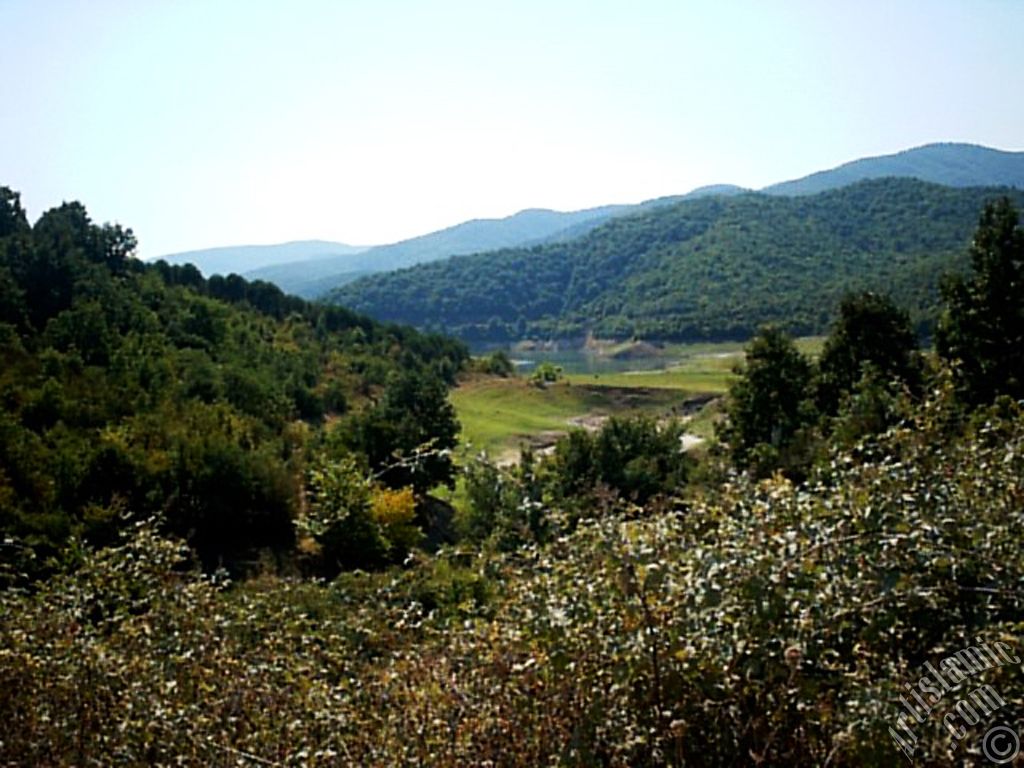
[[12, 216], [633, 456], [639, 459], [409, 434], [981, 332], [498, 364], [768, 405], [546, 373], [496, 504], [340, 518], [870, 330]]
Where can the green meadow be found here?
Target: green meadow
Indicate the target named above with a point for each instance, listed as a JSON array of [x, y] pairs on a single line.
[[499, 415]]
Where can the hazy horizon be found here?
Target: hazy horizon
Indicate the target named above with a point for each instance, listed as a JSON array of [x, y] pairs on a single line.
[[214, 124]]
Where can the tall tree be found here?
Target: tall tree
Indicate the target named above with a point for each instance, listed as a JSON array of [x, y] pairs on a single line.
[[408, 435], [12, 216], [870, 330], [982, 329], [768, 404]]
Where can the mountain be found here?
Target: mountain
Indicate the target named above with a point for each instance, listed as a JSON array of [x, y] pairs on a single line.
[[953, 165], [313, 278], [571, 233], [314, 268], [713, 267], [311, 268], [244, 259], [316, 276]]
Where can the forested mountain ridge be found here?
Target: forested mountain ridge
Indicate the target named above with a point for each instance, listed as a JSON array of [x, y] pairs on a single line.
[[312, 268], [949, 164], [709, 268], [316, 274], [533, 226], [147, 389], [313, 277]]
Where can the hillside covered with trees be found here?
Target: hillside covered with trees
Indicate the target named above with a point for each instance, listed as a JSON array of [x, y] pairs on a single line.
[[130, 390], [950, 164], [314, 277], [786, 599], [710, 268]]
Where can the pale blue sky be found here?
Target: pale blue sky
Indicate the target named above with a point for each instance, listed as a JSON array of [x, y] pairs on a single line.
[[202, 123]]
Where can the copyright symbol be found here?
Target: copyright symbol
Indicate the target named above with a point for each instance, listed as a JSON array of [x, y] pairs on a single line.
[[1000, 745]]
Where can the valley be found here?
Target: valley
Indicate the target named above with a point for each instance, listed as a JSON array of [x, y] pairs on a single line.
[[347, 506], [500, 415], [516, 385]]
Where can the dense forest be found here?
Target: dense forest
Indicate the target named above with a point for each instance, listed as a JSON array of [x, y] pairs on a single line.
[[131, 390], [312, 278], [709, 268], [311, 269], [948, 164], [773, 601]]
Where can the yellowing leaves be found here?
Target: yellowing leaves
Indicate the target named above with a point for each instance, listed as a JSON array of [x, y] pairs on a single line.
[[395, 513]]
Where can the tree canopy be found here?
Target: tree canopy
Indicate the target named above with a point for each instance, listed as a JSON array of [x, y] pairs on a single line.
[[710, 268], [769, 405], [136, 389], [870, 331], [982, 329]]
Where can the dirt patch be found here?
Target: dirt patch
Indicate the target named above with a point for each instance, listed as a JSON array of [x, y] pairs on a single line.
[[590, 422], [542, 444], [688, 441], [636, 351]]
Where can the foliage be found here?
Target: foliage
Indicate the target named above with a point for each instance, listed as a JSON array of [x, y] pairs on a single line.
[[709, 268], [340, 520], [395, 513], [982, 329], [408, 434], [634, 457], [769, 406], [872, 406], [146, 387], [768, 623], [869, 331], [545, 373], [504, 505], [498, 364], [355, 522]]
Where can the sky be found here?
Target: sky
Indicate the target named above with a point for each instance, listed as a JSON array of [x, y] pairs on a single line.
[[203, 123]]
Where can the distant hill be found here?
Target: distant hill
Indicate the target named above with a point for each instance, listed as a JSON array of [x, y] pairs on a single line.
[[314, 268], [244, 259], [571, 233], [706, 268], [313, 278], [953, 165]]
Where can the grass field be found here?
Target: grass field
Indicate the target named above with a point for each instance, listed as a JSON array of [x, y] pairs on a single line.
[[499, 415], [702, 367]]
